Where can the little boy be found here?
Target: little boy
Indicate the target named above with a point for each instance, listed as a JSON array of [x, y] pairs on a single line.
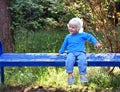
[[74, 43]]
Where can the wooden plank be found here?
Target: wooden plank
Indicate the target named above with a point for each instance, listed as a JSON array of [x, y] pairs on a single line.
[[51, 59]]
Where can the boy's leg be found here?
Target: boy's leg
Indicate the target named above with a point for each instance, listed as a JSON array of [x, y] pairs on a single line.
[[70, 78], [83, 78], [82, 65], [69, 64], [69, 67]]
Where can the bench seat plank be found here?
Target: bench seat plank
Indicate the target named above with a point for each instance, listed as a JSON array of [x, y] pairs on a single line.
[[51, 59]]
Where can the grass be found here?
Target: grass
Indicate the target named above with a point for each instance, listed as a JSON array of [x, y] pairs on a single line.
[[41, 41], [99, 79]]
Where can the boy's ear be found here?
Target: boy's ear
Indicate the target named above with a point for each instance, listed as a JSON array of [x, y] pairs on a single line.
[[67, 25]]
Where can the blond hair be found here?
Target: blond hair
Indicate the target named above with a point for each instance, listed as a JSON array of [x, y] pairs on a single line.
[[78, 22]]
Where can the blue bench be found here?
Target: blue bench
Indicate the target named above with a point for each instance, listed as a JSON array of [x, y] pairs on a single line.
[[51, 59]]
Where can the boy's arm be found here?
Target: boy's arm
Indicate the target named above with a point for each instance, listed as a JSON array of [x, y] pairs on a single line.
[[63, 47], [92, 39]]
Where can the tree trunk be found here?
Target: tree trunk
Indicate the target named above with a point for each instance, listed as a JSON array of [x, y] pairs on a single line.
[[6, 35]]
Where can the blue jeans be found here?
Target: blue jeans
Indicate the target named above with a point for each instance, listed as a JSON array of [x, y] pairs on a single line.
[[81, 60]]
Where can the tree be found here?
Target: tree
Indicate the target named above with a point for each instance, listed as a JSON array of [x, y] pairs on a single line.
[[6, 34], [105, 20]]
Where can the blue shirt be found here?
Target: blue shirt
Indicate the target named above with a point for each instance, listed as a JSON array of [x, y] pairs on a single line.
[[76, 42]]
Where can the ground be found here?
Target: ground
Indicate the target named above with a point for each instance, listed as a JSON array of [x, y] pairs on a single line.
[[42, 89], [30, 89], [48, 89]]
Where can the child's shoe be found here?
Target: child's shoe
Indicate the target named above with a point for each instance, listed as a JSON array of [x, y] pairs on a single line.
[[70, 80], [83, 79]]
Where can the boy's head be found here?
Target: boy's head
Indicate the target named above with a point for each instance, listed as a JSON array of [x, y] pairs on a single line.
[[74, 25]]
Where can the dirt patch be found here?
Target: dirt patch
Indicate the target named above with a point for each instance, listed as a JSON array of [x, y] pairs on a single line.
[[30, 89], [48, 89]]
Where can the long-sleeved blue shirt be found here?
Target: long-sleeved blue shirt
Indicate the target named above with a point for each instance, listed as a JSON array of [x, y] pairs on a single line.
[[76, 42]]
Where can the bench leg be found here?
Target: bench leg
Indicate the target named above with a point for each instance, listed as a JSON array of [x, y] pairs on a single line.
[[2, 74]]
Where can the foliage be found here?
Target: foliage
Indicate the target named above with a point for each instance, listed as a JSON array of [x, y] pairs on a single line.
[[117, 0], [106, 21], [45, 14], [100, 79], [36, 14], [38, 42]]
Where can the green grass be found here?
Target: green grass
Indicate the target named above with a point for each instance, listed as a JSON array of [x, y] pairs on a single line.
[[99, 79], [41, 41]]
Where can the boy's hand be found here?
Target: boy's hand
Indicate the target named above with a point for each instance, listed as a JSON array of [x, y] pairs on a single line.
[[58, 54], [98, 45]]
